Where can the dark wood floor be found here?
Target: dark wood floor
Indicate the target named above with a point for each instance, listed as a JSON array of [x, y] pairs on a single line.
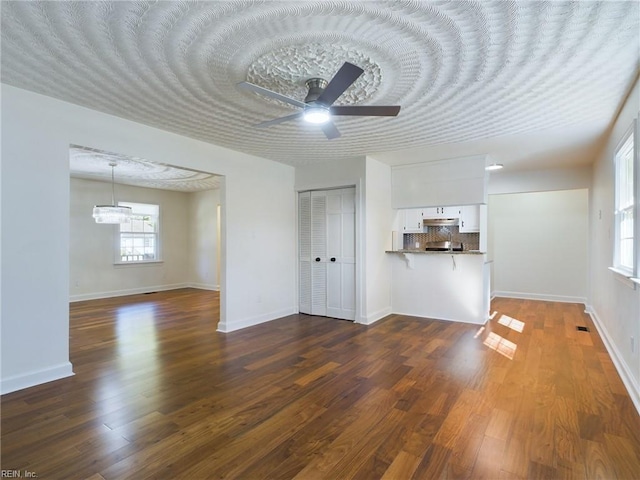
[[158, 393]]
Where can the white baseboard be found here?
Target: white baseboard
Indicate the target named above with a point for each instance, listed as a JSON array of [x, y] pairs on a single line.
[[204, 286], [623, 369], [129, 291], [454, 320], [539, 296], [375, 316], [31, 379], [226, 327]]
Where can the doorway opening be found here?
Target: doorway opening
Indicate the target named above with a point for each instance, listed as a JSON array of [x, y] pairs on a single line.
[[186, 237]]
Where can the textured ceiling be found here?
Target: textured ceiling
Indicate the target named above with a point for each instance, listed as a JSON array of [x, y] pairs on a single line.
[[92, 164], [461, 71]]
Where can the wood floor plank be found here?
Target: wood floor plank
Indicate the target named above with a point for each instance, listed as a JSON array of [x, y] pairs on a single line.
[[159, 393], [598, 463], [517, 456], [379, 402], [500, 424], [626, 459], [543, 428], [465, 450], [403, 466], [434, 463]]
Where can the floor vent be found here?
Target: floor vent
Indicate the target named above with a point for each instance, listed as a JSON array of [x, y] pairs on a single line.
[[582, 329]]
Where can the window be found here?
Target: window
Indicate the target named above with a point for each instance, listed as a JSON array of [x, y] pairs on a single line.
[[139, 237], [625, 204]]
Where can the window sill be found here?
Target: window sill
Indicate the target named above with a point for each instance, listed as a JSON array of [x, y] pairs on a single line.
[[625, 278], [138, 264]]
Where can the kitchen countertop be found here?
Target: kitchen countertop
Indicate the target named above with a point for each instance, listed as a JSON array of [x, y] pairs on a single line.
[[439, 252]]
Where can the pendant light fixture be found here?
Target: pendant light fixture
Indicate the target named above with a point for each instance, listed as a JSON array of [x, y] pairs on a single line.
[[111, 213]]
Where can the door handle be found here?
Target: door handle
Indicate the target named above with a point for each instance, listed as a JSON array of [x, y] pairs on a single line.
[[317, 259], [333, 259]]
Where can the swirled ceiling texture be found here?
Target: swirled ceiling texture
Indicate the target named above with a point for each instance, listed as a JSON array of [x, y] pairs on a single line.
[[461, 70], [92, 164]]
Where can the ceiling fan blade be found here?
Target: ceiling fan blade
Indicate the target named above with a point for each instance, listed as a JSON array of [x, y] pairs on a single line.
[[366, 110], [277, 121], [269, 93], [342, 80], [330, 130]]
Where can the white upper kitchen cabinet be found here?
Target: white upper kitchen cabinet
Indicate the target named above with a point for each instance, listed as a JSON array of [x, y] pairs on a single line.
[[411, 219], [469, 219], [441, 212]]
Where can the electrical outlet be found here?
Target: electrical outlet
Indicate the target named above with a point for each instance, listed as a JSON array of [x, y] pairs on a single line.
[[599, 214], [633, 345]]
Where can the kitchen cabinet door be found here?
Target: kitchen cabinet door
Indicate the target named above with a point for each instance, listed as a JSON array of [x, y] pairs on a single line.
[[412, 220], [441, 212], [431, 212], [449, 212], [470, 219]]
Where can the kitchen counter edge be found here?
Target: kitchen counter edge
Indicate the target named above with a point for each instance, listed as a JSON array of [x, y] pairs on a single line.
[[439, 252]]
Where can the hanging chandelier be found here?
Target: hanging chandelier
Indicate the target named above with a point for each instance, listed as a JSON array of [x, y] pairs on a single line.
[[111, 213]]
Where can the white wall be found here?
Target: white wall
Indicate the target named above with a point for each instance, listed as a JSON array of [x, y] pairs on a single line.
[[504, 181], [615, 304], [374, 221], [538, 244], [379, 217], [203, 239], [92, 272], [36, 134], [447, 182], [439, 286], [339, 173], [343, 173]]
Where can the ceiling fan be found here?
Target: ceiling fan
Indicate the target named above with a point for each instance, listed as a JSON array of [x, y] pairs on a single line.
[[317, 106]]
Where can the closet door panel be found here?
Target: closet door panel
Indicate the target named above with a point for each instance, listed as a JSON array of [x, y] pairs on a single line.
[[327, 253], [318, 253]]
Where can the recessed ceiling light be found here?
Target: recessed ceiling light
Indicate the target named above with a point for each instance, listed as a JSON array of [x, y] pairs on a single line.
[[494, 166], [316, 114]]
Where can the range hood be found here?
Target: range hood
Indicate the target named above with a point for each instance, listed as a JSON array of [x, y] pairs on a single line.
[[440, 222]]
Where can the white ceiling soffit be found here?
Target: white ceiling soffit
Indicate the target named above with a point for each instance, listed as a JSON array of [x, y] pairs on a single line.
[[94, 164], [461, 70]]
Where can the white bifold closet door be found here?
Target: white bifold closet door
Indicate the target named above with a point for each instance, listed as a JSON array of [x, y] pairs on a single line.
[[327, 253]]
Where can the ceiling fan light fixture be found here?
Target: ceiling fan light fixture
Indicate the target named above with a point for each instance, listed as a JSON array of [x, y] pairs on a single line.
[[494, 166], [316, 114], [318, 108]]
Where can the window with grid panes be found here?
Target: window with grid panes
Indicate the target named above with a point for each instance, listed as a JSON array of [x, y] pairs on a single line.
[[139, 237], [625, 203]]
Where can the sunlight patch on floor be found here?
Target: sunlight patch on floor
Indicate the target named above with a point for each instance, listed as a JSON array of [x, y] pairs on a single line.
[[501, 345], [512, 323]]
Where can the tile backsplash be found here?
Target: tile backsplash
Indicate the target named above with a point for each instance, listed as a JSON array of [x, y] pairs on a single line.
[[470, 241]]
